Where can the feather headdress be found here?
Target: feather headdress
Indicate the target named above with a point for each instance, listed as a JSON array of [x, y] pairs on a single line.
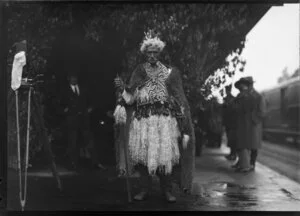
[[152, 40]]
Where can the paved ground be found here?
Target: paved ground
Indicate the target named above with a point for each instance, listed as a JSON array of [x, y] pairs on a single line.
[[216, 188], [262, 190]]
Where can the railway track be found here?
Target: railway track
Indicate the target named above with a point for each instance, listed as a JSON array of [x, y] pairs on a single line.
[[281, 158]]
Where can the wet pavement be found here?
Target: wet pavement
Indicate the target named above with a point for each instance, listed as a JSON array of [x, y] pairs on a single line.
[[216, 188], [224, 189]]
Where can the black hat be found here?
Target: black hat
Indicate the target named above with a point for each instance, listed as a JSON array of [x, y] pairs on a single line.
[[248, 80], [244, 80], [238, 83]]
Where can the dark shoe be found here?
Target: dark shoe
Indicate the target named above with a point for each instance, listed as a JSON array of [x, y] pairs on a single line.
[[170, 198], [141, 196], [243, 170]]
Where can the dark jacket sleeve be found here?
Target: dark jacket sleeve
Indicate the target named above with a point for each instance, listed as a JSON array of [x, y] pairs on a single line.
[[62, 100], [175, 88], [87, 98]]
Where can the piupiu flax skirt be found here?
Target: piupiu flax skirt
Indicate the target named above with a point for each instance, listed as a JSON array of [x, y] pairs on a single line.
[[153, 142]]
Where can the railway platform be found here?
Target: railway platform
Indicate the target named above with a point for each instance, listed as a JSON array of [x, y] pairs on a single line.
[[216, 188]]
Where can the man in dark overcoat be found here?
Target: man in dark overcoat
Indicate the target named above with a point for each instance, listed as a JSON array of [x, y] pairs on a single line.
[[250, 109]]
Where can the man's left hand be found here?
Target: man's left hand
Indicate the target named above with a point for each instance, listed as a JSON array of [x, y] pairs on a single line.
[[185, 141], [90, 110]]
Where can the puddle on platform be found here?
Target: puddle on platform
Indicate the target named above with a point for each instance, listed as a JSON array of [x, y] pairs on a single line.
[[228, 194]]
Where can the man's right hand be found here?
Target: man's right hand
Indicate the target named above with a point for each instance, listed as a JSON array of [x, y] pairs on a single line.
[[119, 83], [66, 109]]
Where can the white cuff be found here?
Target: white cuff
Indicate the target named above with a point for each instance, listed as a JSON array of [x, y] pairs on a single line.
[[129, 98]]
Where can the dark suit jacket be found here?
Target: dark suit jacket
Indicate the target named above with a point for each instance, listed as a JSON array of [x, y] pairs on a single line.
[[77, 106]]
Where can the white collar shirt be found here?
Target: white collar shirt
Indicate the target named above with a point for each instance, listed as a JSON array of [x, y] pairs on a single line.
[[75, 89]]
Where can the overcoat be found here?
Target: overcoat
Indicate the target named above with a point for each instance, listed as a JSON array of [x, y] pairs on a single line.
[[175, 91], [250, 107], [229, 115], [229, 120]]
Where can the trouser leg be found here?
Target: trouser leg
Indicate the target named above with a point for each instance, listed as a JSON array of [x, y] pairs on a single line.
[[253, 156], [165, 182], [93, 152], [89, 146], [244, 158], [145, 178], [72, 146]]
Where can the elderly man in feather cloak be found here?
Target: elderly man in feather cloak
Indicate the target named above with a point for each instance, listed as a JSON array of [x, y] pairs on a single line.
[[161, 134]]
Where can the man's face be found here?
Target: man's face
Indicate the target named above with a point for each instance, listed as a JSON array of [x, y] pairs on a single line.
[[244, 87], [73, 80], [152, 55]]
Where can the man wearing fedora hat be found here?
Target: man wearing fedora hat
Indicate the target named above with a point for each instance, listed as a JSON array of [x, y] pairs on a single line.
[[242, 99], [250, 110]]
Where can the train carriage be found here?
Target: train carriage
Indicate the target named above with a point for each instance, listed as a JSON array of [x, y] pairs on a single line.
[[283, 107]]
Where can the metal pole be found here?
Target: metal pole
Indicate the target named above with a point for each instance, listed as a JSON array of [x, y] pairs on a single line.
[[23, 201], [19, 146]]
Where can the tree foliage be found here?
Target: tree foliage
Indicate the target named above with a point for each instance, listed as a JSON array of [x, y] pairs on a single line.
[[285, 75], [199, 37]]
